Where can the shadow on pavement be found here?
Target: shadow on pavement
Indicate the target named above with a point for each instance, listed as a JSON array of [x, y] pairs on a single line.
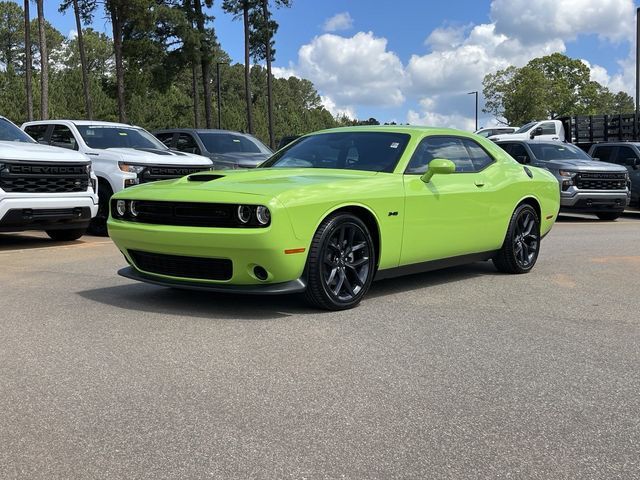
[[155, 299]]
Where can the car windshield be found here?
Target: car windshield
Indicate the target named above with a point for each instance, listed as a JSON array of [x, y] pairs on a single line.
[[559, 151], [525, 128], [369, 151], [10, 133], [106, 136], [230, 143]]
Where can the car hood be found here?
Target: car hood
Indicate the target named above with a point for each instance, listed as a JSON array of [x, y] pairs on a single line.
[[510, 136], [264, 182], [154, 156], [585, 166], [35, 152], [243, 160]]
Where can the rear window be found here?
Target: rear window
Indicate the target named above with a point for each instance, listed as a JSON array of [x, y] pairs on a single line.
[[368, 151]]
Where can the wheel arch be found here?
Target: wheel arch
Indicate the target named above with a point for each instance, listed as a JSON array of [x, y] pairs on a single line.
[[534, 203]]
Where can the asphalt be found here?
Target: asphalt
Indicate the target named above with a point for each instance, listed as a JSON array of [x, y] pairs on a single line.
[[461, 373]]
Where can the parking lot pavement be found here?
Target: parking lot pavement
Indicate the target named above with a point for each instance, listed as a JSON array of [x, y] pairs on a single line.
[[462, 373]]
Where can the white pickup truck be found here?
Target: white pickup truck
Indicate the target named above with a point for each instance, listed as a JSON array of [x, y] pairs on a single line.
[[44, 188], [542, 130], [122, 155]]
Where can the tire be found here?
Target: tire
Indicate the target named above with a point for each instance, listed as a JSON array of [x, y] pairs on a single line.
[[521, 245], [608, 216], [67, 235], [98, 226], [341, 263]]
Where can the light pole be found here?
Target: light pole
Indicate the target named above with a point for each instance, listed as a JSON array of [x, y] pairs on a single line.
[[218, 92], [476, 94]]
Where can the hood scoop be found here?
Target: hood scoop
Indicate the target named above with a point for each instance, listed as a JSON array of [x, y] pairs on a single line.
[[204, 177]]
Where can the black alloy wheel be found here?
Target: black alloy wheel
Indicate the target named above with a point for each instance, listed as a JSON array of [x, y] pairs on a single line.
[[341, 263], [521, 246]]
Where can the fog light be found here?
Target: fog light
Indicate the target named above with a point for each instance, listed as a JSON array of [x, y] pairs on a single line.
[[260, 273], [121, 208]]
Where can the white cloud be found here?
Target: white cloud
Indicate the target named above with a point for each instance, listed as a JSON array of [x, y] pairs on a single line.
[[340, 21], [284, 72], [73, 33], [445, 38], [356, 70], [536, 21], [335, 110]]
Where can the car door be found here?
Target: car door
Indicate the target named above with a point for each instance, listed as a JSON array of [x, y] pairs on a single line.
[[186, 143], [168, 138], [39, 132], [623, 155], [549, 131], [62, 136], [452, 214]]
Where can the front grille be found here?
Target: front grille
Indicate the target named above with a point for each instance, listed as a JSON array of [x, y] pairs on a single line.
[[184, 214], [156, 172], [44, 177], [601, 181], [184, 267]]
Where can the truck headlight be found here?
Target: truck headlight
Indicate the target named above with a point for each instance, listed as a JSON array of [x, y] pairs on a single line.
[[128, 167]]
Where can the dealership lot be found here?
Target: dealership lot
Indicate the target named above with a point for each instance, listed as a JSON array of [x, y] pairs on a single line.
[[450, 374]]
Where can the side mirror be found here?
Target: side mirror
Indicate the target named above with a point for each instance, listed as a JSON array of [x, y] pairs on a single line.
[[440, 166], [536, 132], [632, 162]]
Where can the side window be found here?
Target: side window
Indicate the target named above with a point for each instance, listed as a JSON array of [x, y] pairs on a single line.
[[520, 153], [479, 158], [451, 148], [62, 137], [166, 138], [186, 143], [37, 132], [623, 154], [604, 153], [548, 128]]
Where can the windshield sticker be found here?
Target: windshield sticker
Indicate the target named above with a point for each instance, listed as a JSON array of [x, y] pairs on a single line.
[[394, 145], [124, 134], [236, 140]]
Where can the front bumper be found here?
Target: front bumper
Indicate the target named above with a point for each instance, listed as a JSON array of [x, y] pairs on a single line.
[[23, 212], [594, 201], [246, 248]]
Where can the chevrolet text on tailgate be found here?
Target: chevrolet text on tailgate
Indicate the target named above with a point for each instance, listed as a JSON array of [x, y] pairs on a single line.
[[44, 188], [122, 156]]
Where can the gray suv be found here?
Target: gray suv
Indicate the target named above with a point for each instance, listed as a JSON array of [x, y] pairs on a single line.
[[586, 185], [626, 154], [226, 148]]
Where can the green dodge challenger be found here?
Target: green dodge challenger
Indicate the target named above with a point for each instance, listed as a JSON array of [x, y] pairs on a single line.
[[333, 211]]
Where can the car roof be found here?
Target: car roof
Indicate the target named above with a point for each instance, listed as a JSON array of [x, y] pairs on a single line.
[[533, 142], [199, 130], [616, 144], [83, 122]]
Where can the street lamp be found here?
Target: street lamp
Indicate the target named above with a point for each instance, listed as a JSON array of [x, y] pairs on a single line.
[[218, 91], [476, 94]]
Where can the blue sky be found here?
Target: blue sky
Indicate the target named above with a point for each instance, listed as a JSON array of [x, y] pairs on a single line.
[[375, 58]]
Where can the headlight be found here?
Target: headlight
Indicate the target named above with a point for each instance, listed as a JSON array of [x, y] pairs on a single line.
[[244, 214], [133, 208], [121, 208], [127, 167], [263, 215], [566, 173]]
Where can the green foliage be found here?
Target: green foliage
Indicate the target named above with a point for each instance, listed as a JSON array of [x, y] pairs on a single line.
[[547, 87]]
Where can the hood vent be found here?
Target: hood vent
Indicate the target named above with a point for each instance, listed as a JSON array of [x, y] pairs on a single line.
[[204, 177]]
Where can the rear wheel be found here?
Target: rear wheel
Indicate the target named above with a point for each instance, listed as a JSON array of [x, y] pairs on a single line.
[[341, 263], [608, 216], [68, 235], [521, 246], [98, 224]]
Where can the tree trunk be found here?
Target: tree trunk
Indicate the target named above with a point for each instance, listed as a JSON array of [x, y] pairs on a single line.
[[117, 47], [27, 61], [44, 64], [195, 93], [265, 13], [205, 61], [247, 66], [83, 64]]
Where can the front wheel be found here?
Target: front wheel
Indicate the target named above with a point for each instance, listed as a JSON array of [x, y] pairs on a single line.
[[521, 246], [67, 235], [341, 263], [608, 216]]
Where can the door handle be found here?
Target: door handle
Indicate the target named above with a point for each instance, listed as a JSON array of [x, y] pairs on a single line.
[[479, 183]]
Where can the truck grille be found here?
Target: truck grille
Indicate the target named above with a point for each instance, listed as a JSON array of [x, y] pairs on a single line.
[[156, 172], [181, 266], [601, 181], [44, 177]]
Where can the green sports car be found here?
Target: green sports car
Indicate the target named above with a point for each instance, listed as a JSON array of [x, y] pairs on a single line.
[[333, 211]]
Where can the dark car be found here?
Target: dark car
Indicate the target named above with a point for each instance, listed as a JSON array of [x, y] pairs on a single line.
[[586, 185], [626, 154], [226, 148]]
